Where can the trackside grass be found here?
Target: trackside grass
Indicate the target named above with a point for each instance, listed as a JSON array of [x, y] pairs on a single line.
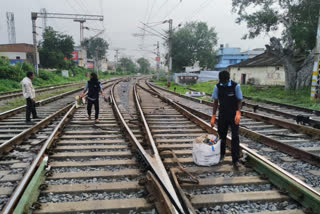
[[299, 97]]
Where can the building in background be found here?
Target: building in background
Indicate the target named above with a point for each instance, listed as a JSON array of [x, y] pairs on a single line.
[[264, 69], [229, 56], [79, 56], [19, 52]]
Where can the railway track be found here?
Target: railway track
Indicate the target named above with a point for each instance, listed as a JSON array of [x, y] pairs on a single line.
[[21, 142], [220, 189], [288, 112], [129, 163], [287, 144], [13, 94]]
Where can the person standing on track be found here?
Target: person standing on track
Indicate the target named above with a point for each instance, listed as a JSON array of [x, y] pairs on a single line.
[[94, 88], [228, 94], [29, 93]]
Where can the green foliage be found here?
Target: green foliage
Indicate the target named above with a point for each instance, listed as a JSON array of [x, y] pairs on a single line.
[[126, 64], [96, 47], [193, 42], [8, 85], [297, 20], [144, 65], [54, 48], [13, 72]]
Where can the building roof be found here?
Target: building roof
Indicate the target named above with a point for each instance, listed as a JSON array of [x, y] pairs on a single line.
[[18, 47], [265, 59]]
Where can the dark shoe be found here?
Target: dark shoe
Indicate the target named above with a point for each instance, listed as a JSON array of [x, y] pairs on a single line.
[[97, 120], [28, 122], [37, 117], [236, 166], [89, 117]]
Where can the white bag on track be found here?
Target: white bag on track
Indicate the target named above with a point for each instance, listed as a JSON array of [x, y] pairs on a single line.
[[204, 154]]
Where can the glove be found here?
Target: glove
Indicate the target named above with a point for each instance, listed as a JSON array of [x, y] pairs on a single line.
[[237, 117], [213, 118]]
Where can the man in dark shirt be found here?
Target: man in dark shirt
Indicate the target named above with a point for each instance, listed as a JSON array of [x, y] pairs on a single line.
[[228, 94]]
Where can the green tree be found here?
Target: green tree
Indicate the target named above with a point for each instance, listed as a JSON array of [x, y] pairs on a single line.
[[144, 65], [54, 48], [127, 64], [96, 48], [193, 42], [297, 20]]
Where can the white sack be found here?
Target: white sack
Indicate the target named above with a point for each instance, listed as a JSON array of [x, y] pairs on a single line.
[[204, 154]]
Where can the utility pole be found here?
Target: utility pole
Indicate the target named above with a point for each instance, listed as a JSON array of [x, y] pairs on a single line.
[[158, 56], [169, 50], [81, 21], [35, 15], [35, 48], [11, 28], [117, 57], [315, 73]]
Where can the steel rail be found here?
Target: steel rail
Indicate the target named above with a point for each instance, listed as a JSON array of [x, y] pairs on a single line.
[[28, 175], [158, 167], [45, 149], [8, 145], [276, 144], [37, 88], [17, 94], [148, 159], [14, 111], [257, 107], [297, 189]]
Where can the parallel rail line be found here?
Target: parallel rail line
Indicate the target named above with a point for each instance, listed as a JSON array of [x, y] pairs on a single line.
[[138, 159], [269, 169], [267, 138]]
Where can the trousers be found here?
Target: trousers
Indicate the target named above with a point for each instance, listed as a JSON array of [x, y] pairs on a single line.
[[31, 108], [223, 125], [96, 107]]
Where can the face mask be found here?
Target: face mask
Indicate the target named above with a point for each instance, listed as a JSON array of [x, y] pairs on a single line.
[[225, 84]]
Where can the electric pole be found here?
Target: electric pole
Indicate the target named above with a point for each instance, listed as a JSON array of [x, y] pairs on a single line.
[[35, 15], [158, 57], [81, 21], [169, 51], [35, 48], [315, 72]]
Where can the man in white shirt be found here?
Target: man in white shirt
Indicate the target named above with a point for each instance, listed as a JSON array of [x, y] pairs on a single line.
[[29, 93]]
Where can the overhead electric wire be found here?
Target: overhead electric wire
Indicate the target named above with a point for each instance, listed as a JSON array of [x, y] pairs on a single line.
[[175, 7], [198, 10]]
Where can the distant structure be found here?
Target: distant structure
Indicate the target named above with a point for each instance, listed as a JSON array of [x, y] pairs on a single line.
[[193, 69], [17, 52], [229, 56], [264, 69], [11, 28], [44, 19]]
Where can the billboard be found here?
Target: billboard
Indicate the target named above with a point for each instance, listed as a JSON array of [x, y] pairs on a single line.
[[90, 65]]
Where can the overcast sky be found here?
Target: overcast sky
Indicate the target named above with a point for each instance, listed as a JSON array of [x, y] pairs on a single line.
[[122, 19]]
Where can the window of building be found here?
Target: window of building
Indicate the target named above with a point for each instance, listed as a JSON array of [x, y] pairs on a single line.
[[17, 57], [238, 68], [277, 68]]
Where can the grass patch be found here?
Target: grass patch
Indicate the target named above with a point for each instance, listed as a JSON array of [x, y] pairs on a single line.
[[17, 102], [259, 93]]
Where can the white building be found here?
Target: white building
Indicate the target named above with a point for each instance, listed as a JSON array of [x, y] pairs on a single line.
[[264, 69]]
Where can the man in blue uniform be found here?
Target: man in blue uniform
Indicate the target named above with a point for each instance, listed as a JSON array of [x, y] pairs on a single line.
[[228, 94]]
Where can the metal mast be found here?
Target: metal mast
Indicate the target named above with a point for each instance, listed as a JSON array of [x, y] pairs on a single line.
[[35, 15], [11, 28]]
